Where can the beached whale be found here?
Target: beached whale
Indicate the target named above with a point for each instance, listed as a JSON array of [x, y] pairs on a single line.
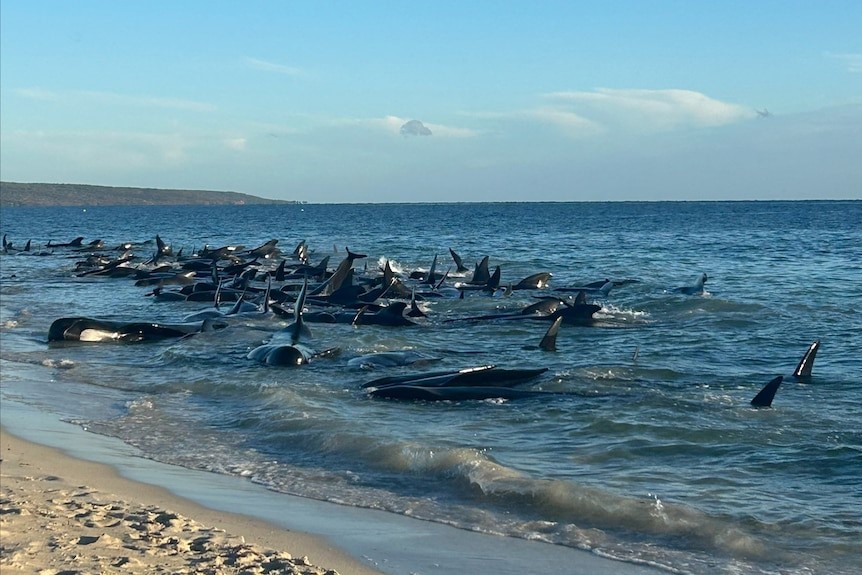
[[285, 348], [86, 329]]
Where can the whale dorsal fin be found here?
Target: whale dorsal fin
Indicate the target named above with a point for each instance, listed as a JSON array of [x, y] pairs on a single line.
[[765, 396], [549, 341], [494, 280], [432, 272], [266, 295], [238, 305], [480, 273], [299, 328], [806, 364], [443, 279], [217, 295], [358, 316]]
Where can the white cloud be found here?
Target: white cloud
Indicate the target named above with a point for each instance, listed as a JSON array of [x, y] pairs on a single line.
[[649, 110], [116, 99], [265, 66], [570, 122], [238, 144], [37, 94], [852, 61], [443, 131], [101, 151], [146, 101]]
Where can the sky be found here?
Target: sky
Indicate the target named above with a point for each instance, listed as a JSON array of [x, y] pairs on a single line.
[[437, 101]]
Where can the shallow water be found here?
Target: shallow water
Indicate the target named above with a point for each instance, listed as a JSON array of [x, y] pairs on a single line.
[[652, 457]]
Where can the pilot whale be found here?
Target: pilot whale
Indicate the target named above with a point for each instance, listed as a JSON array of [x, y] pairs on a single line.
[[391, 359], [802, 373], [482, 382], [87, 329], [806, 364], [292, 352], [694, 289]]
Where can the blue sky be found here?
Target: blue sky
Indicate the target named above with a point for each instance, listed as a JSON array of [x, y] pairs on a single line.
[[400, 101]]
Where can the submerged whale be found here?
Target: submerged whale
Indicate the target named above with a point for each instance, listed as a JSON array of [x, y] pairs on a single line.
[[391, 359], [76, 243], [482, 382], [694, 289]]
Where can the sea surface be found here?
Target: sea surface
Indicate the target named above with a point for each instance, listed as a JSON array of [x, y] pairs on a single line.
[[651, 453]]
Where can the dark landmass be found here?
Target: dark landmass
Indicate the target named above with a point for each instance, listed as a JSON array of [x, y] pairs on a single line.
[[19, 194]]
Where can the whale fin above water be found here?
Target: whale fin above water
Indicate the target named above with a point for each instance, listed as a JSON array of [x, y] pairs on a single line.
[[459, 264], [414, 307], [432, 273], [481, 275], [765, 396], [806, 364], [279, 271], [694, 289], [549, 341], [439, 284], [298, 329]]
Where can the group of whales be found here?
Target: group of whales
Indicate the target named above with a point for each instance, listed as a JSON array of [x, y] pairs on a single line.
[[241, 276]]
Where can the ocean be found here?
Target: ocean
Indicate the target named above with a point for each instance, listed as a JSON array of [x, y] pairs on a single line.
[[648, 452]]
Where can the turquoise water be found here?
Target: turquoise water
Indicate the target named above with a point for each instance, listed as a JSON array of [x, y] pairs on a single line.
[[655, 456]]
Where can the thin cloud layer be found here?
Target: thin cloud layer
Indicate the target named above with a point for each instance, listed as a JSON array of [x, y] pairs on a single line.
[[265, 66], [853, 62], [395, 125], [115, 98], [645, 110]]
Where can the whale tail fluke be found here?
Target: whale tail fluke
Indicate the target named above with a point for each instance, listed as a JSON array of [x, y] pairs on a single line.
[[765, 396], [806, 364]]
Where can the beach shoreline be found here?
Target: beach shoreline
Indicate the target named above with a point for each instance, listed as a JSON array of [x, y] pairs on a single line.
[[60, 512], [43, 456]]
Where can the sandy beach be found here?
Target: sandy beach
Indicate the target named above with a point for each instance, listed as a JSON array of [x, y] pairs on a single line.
[[59, 514]]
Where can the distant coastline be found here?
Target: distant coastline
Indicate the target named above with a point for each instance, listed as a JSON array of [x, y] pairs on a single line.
[[14, 194]]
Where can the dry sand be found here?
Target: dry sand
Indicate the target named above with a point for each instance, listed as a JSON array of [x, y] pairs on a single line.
[[60, 515]]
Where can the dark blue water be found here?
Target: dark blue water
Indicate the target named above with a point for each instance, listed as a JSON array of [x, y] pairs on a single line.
[[655, 456]]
